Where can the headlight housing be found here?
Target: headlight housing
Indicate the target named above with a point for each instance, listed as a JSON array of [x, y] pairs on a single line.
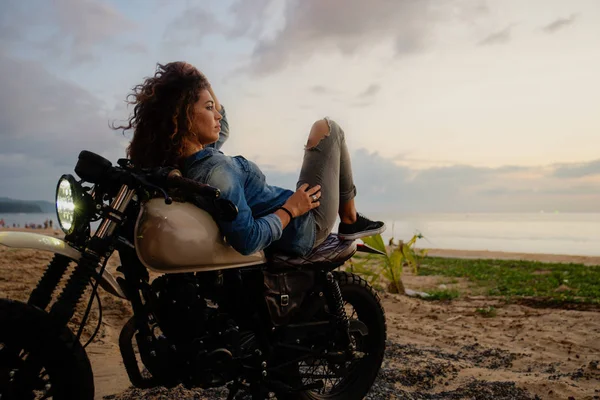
[[69, 204]]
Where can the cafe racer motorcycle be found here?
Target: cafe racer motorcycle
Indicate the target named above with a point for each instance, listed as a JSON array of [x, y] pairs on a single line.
[[261, 324]]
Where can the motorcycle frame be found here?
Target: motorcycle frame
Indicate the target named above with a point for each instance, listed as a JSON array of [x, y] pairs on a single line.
[[91, 254]]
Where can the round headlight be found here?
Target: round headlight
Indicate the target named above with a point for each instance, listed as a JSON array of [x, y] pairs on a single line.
[[68, 203]]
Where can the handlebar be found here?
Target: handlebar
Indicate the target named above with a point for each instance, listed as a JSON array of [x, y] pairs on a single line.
[[223, 209], [95, 169], [176, 180]]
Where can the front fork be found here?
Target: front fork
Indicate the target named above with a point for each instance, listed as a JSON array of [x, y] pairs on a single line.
[[42, 294], [96, 254]]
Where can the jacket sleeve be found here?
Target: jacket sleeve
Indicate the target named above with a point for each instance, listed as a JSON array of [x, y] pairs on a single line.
[[245, 234], [224, 133]]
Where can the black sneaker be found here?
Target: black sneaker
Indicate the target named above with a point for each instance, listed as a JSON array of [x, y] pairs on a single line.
[[363, 227]]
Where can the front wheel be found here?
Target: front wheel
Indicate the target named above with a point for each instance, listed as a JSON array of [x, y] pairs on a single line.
[[361, 303], [37, 365]]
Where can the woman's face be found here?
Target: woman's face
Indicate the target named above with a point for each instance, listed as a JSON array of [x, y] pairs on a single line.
[[206, 119]]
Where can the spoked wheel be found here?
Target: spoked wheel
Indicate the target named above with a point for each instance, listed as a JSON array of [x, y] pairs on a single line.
[[37, 365], [352, 379], [21, 375]]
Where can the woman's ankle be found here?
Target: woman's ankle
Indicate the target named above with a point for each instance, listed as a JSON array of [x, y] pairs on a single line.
[[348, 218], [347, 212]]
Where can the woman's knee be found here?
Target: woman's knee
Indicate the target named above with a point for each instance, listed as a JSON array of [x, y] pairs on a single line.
[[321, 129]]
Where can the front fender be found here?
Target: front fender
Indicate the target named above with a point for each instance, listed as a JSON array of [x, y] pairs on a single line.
[[29, 240]]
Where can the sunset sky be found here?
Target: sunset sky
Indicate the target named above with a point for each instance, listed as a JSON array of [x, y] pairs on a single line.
[[457, 105]]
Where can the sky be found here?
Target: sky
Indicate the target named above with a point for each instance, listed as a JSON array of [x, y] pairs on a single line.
[[447, 106]]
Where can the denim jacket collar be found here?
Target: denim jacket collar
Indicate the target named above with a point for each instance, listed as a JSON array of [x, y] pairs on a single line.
[[200, 155]]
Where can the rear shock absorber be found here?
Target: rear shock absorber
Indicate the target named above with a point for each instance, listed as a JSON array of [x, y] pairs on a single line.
[[336, 307], [42, 294]]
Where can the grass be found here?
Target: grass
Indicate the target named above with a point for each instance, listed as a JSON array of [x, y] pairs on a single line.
[[442, 294], [559, 283]]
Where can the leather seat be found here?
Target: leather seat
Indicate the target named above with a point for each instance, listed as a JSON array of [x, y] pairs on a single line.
[[333, 250]]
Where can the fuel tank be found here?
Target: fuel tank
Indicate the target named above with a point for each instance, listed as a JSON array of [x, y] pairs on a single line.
[[180, 237]]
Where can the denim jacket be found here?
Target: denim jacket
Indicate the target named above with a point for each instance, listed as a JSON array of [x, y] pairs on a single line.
[[242, 182]]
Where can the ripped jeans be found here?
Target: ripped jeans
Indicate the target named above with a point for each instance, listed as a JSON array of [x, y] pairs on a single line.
[[328, 164]]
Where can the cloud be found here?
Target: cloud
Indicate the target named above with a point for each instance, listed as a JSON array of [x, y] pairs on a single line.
[[245, 19], [559, 24], [579, 170], [571, 190], [135, 48], [44, 123], [387, 188], [501, 37], [314, 27], [13, 20], [63, 27], [34, 152], [360, 104], [370, 91], [456, 175], [295, 31], [194, 24], [320, 89], [249, 17], [89, 23]]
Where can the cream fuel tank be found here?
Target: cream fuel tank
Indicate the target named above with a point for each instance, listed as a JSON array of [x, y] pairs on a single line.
[[180, 237]]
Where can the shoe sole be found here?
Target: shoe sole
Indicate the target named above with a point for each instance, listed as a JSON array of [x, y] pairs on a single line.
[[362, 234]]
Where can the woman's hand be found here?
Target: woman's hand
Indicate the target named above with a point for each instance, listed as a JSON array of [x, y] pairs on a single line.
[[303, 200]]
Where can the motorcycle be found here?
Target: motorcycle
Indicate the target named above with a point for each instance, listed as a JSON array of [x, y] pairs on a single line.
[[260, 324]]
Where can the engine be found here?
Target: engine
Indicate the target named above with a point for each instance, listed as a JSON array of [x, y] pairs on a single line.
[[181, 309], [196, 329]]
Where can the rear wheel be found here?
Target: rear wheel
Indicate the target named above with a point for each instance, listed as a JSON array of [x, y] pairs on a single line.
[[37, 365], [362, 304]]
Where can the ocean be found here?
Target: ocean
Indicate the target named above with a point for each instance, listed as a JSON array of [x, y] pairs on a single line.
[[549, 233], [34, 218]]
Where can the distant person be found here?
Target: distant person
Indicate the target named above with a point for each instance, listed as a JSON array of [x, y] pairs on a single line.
[[50, 222], [178, 121]]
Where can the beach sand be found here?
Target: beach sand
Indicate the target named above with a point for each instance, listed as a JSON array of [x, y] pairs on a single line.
[[435, 350]]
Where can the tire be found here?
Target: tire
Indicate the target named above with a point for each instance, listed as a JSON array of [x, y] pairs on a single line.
[[24, 334], [363, 298]]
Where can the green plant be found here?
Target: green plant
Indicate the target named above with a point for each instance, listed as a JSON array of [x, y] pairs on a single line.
[[443, 295], [515, 279], [487, 312], [361, 268], [395, 259]]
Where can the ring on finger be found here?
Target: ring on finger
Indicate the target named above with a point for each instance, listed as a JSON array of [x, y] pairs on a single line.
[[314, 197]]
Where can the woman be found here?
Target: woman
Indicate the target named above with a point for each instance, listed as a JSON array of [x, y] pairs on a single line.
[[178, 121]]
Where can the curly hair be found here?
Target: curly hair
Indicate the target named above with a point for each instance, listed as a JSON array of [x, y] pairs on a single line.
[[163, 114]]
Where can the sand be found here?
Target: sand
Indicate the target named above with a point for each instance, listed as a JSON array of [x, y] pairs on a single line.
[[435, 350]]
